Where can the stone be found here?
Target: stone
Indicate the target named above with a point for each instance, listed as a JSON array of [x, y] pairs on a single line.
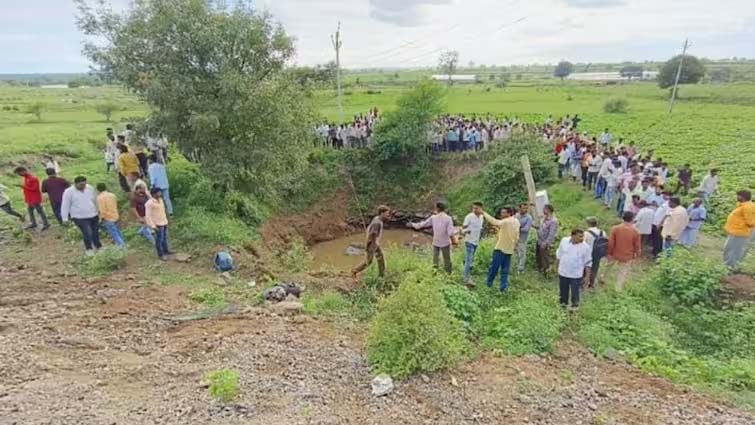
[[226, 276], [382, 385], [182, 258], [353, 251], [425, 378], [291, 298], [252, 283], [287, 307]]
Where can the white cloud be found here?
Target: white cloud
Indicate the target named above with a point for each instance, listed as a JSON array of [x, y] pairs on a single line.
[[402, 12], [595, 3]]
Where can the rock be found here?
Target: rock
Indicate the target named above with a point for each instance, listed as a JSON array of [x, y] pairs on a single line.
[[614, 355], [226, 276], [382, 385], [182, 258], [353, 251], [287, 307], [291, 298], [454, 382], [252, 283], [425, 378], [275, 294]]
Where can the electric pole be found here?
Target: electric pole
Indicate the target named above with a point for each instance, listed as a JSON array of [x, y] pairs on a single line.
[[678, 75], [336, 40]]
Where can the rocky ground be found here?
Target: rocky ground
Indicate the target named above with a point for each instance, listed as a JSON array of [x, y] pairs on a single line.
[[119, 350]]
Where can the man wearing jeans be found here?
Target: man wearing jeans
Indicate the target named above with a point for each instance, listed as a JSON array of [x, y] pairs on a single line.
[[79, 204], [138, 200], [54, 187], [574, 267], [33, 198], [472, 228], [158, 177], [525, 224], [443, 230], [156, 218], [108, 207], [508, 235]]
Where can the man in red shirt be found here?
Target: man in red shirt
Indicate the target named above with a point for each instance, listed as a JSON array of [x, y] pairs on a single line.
[[33, 198], [624, 247]]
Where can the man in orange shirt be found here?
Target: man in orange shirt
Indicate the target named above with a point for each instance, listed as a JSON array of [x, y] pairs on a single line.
[[624, 247], [739, 227]]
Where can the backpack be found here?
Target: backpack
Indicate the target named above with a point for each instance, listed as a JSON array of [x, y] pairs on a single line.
[[600, 245], [223, 261]]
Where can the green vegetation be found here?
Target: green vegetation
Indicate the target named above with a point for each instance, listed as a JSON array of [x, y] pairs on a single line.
[[414, 332], [224, 385], [105, 261], [693, 71], [616, 105], [36, 109], [688, 279], [106, 109], [209, 297]]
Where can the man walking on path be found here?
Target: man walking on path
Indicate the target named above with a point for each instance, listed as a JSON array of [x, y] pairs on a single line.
[[6, 206], [697, 215], [372, 247], [472, 228], [54, 187], [709, 186], [508, 235], [79, 204], [108, 206], [546, 235], [158, 177], [624, 247], [156, 218], [443, 229], [674, 224], [574, 267], [525, 224], [33, 198], [597, 240], [138, 201], [739, 228]]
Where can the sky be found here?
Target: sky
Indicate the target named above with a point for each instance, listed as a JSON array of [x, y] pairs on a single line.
[[40, 36]]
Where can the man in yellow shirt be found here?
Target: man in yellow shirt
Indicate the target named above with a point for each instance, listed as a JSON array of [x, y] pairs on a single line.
[[108, 208], [508, 236], [128, 166], [739, 228]]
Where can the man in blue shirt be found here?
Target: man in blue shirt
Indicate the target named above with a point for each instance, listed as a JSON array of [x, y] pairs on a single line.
[[697, 215], [525, 224], [158, 178]]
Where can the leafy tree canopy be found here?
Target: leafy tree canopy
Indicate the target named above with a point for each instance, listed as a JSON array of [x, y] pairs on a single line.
[[692, 71], [563, 69]]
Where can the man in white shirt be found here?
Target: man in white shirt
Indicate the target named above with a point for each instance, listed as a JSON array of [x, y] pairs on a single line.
[[472, 228], [80, 204], [605, 139], [605, 167], [574, 267], [643, 221], [709, 185], [658, 217]]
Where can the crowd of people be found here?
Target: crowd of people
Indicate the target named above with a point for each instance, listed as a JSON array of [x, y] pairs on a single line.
[[356, 134], [140, 164], [638, 187]]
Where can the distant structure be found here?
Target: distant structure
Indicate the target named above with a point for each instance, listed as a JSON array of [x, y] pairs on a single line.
[[457, 78], [609, 76]]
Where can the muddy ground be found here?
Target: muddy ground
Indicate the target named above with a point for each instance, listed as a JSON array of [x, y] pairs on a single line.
[[118, 350]]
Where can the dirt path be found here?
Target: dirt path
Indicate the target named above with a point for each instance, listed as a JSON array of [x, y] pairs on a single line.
[[77, 350]]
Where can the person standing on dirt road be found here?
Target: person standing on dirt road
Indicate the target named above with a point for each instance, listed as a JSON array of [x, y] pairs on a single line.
[[156, 218], [443, 230], [80, 205], [525, 224], [139, 199], [108, 206], [6, 206], [508, 236], [33, 198], [372, 247], [740, 228], [54, 187], [472, 228]]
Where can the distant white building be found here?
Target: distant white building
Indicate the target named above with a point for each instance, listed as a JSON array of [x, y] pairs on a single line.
[[457, 78], [609, 76]]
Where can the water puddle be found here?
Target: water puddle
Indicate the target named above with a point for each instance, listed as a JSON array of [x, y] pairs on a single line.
[[334, 253]]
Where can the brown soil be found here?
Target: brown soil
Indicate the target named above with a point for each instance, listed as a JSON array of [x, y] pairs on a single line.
[[110, 350], [742, 286]]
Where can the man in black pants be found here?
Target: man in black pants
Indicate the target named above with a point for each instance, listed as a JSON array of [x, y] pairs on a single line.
[[574, 267], [5, 205], [80, 204]]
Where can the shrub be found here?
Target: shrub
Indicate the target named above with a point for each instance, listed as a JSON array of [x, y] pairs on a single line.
[[210, 297], [688, 278], [224, 385], [330, 303], [529, 324], [36, 109], [504, 177], [616, 105], [202, 227], [296, 258], [106, 109], [106, 260], [414, 331], [463, 304]]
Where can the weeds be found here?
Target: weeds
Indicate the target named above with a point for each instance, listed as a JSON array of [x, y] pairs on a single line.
[[224, 385], [105, 261], [210, 297]]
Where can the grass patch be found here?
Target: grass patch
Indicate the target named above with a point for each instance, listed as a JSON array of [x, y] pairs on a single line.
[[105, 261], [209, 297], [223, 385], [328, 304]]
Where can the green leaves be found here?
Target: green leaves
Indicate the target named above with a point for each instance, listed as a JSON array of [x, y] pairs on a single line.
[[687, 278]]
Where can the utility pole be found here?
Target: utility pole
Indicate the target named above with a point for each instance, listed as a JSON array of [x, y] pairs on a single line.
[[678, 75], [336, 40]]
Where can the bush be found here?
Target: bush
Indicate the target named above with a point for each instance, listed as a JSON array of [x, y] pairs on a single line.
[[210, 297], [414, 331], [616, 105], [464, 305], [529, 324], [205, 228], [36, 109], [106, 109], [105, 261], [688, 278], [224, 385], [504, 177]]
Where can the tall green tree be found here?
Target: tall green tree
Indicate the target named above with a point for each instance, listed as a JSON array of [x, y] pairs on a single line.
[[563, 69], [448, 64], [692, 71], [214, 78]]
